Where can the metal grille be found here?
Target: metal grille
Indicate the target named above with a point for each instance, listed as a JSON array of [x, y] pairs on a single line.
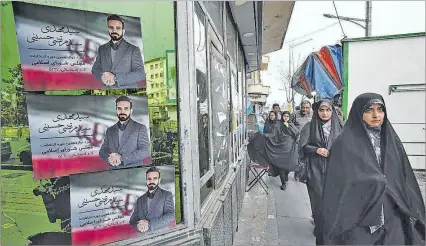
[[227, 219], [234, 207], [217, 231]]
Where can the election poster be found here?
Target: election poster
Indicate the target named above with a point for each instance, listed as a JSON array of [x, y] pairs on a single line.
[[121, 204], [69, 49], [79, 134]]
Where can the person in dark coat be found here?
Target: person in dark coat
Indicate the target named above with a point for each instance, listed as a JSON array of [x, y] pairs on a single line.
[[277, 148], [371, 195], [315, 142], [290, 134], [271, 122]]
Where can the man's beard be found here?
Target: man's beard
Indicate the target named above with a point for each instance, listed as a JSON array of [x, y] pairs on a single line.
[[305, 112], [123, 117], [152, 186], [115, 38]]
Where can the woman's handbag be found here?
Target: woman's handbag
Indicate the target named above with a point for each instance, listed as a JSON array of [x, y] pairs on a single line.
[[301, 172]]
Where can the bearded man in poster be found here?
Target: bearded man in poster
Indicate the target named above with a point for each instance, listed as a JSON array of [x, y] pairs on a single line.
[[126, 143], [118, 64], [155, 209]]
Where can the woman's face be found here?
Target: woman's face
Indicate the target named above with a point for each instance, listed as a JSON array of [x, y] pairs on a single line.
[[324, 113], [271, 116], [374, 115], [286, 117]]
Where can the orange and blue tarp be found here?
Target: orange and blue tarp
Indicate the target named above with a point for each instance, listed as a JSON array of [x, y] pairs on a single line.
[[322, 71]]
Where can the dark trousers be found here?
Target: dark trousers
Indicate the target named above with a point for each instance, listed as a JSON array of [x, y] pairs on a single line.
[[315, 199], [283, 176]]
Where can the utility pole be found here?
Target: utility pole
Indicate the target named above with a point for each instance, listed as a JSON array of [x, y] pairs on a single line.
[[368, 10], [367, 20]]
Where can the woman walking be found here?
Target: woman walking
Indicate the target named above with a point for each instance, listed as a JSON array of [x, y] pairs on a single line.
[[288, 163], [271, 123], [316, 139], [371, 195], [276, 147]]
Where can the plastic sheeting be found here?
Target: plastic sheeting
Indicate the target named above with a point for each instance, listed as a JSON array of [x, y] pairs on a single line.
[[322, 71]]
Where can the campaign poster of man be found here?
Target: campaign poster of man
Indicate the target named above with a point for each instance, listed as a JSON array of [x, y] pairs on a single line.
[[121, 204], [79, 134], [68, 49]]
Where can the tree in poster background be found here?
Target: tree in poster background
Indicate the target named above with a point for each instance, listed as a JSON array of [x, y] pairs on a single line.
[[13, 106]]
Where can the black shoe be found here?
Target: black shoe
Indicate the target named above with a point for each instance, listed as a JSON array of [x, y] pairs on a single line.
[[283, 187]]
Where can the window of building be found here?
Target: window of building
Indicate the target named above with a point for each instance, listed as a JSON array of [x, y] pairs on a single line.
[[200, 44], [156, 65], [234, 111], [152, 66], [161, 65], [241, 81], [220, 112], [156, 75], [152, 76], [215, 10], [231, 36], [161, 74]]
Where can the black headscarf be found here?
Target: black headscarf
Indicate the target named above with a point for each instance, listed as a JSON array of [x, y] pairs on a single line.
[[314, 135], [270, 124], [354, 184]]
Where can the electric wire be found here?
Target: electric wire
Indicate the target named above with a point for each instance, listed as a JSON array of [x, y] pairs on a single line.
[[337, 15], [311, 33]]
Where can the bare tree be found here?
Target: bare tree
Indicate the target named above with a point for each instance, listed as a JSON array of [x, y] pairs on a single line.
[[284, 77]]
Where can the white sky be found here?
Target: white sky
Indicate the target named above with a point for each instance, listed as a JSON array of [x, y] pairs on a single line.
[[388, 17]]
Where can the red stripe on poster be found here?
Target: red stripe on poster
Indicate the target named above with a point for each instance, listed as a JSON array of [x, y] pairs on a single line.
[[50, 168], [39, 80], [104, 235]]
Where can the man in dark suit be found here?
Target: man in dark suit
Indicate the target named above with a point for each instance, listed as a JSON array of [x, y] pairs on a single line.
[[155, 209], [118, 64], [126, 143]]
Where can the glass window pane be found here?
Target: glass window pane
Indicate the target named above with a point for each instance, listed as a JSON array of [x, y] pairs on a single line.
[[235, 103], [215, 10], [205, 190], [242, 93], [231, 38], [220, 111], [202, 90]]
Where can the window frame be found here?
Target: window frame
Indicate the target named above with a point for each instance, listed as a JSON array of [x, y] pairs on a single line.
[[219, 41]]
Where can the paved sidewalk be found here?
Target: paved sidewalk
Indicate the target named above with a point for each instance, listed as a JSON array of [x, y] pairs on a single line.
[[280, 218]]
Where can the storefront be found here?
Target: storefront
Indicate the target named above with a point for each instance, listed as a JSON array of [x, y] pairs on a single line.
[[96, 94]]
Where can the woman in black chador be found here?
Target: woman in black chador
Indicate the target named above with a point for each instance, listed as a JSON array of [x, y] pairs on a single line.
[[316, 139], [271, 122], [371, 195], [284, 156], [276, 147]]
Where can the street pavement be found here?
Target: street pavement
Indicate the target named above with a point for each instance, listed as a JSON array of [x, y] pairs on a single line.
[[279, 218]]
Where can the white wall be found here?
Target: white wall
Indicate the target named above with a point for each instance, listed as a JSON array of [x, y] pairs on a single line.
[[373, 66]]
